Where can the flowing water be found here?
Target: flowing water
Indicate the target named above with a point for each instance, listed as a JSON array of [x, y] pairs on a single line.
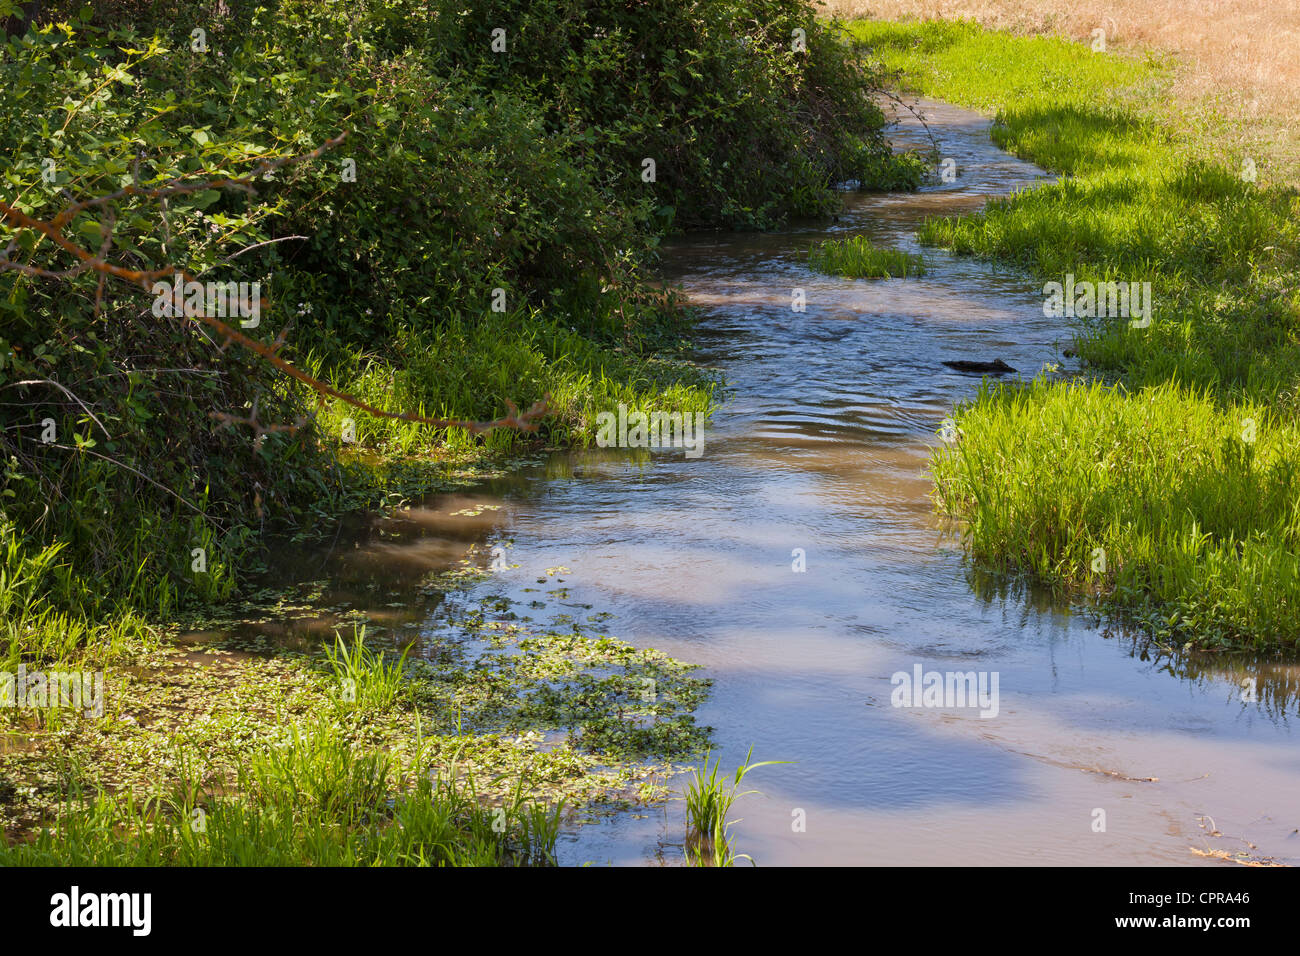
[[822, 445]]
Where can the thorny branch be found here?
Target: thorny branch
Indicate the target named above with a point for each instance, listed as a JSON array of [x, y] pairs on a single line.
[[52, 229]]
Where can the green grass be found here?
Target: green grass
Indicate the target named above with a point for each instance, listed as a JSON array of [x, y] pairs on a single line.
[[364, 679], [1198, 526], [857, 258], [35, 628], [709, 800], [312, 800], [1154, 499], [469, 369]]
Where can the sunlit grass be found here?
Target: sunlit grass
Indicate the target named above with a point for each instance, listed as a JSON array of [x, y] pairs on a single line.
[[1255, 86], [857, 258], [364, 678], [36, 629], [1179, 509], [709, 799], [470, 369], [314, 799]]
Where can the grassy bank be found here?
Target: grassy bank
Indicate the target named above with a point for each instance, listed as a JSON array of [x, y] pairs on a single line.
[[1162, 476], [1233, 79]]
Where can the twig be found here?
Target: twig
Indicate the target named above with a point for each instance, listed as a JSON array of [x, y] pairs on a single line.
[[46, 381], [259, 245]]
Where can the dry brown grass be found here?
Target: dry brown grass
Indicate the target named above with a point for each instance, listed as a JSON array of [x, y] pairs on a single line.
[[1237, 58]]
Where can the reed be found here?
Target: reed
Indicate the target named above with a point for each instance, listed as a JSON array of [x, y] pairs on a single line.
[[709, 798], [363, 677]]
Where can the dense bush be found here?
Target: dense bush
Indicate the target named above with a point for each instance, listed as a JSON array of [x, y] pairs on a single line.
[[476, 170]]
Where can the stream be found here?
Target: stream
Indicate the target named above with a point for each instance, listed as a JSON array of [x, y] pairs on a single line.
[[821, 444]]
